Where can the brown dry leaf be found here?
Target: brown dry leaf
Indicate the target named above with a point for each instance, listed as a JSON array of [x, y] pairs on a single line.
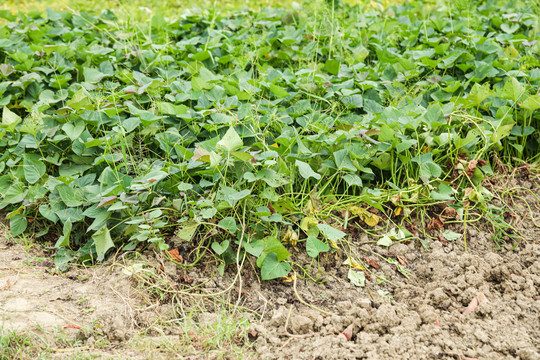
[[450, 212], [176, 255], [436, 223], [472, 165], [368, 275], [371, 262], [395, 199], [402, 260], [187, 279]]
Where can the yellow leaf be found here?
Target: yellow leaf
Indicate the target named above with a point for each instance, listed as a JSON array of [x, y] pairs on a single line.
[[275, 145], [511, 52], [291, 237], [353, 264], [367, 217], [372, 220], [288, 279], [398, 211], [307, 223]]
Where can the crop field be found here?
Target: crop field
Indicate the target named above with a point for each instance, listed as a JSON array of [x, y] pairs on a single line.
[[284, 144]]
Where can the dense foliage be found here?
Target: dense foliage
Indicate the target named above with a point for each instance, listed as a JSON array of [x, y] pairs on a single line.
[[231, 130]]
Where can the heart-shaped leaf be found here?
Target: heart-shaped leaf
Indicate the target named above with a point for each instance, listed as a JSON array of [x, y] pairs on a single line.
[[315, 246], [220, 248], [273, 269]]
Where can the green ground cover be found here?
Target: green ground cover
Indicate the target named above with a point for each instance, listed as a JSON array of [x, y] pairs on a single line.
[[259, 132]]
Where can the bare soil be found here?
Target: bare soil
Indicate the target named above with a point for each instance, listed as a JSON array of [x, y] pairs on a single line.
[[452, 304]]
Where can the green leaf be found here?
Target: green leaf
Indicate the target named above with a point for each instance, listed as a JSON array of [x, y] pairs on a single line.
[[278, 91], [306, 171], [92, 75], [315, 246], [228, 224], [445, 193], [357, 278], [9, 119], [502, 132], [254, 248], [102, 242], [405, 144], [273, 269], [208, 213], [17, 224], [512, 90], [187, 230], [273, 245], [69, 196], [352, 179], [34, 169], [343, 160], [74, 130], [385, 240], [451, 236], [331, 232], [64, 239], [231, 141], [220, 248], [63, 257], [353, 101], [332, 66], [531, 103], [428, 168]]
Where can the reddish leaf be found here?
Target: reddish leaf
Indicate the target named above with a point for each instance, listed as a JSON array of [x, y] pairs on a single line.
[[348, 332], [478, 299], [368, 275], [176, 255], [371, 262]]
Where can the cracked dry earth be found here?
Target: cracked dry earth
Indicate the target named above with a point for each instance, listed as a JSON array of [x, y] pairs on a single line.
[[479, 304]]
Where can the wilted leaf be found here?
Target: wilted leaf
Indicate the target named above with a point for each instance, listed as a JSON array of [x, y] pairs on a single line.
[[357, 278]]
